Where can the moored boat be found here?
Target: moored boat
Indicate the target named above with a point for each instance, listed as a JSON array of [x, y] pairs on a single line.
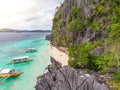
[[23, 59], [7, 73], [30, 50]]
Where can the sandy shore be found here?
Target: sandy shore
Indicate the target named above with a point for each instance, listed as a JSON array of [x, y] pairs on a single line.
[[58, 55]]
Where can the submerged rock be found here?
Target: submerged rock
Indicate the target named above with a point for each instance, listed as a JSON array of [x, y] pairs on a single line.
[[67, 78]]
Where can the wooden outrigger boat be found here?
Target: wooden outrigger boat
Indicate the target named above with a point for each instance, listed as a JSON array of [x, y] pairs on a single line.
[[7, 73], [30, 50], [20, 60]]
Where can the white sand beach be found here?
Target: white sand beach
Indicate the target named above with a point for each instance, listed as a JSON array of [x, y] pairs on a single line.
[[58, 55]]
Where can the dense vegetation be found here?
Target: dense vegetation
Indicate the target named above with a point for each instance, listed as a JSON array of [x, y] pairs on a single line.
[[106, 18]]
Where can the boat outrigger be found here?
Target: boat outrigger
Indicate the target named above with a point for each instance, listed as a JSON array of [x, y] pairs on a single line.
[[30, 50], [20, 60], [7, 73]]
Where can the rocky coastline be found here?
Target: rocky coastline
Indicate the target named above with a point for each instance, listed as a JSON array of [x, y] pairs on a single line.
[[67, 78]]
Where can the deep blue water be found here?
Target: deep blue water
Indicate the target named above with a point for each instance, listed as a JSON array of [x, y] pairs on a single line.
[[14, 45]]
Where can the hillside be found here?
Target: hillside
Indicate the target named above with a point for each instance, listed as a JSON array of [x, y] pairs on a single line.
[[90, 29]]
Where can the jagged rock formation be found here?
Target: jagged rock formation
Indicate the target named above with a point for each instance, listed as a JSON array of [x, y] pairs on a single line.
[[67, 78]]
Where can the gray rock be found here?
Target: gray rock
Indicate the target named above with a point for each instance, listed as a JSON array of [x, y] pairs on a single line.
[[98, 51], [67, 78], [49, 37]]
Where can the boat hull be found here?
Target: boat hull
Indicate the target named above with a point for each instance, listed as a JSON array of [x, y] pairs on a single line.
[[10, 75], [30, 51]]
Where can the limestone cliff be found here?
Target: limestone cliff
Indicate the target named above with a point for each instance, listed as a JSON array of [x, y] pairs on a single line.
[[91, 31], [78, 21]]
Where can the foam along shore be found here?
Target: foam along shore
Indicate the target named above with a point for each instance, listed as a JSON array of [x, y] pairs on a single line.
[[58, 55]]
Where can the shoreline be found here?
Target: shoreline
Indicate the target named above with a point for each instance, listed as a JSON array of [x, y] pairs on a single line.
[[58, 55]]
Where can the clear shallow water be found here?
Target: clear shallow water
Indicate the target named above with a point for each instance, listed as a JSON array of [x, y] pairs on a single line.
[[14, 45]]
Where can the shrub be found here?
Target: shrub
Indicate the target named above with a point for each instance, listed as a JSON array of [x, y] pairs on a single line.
[[75, 23], [80, 56], [114, 31], [95, 26], [75, 26], [75, 13], [116, 77], [99, 10]]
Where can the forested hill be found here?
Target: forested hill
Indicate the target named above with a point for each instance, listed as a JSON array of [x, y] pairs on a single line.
[[90, 29]]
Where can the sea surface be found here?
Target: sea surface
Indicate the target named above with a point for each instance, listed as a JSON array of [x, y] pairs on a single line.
[[14, 44]]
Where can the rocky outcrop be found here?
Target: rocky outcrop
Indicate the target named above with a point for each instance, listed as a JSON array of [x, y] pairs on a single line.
[[67, 78], [49, 37], [98, 51]]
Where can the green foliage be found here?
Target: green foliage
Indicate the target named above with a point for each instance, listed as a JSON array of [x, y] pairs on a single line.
[[104, 62], [115, 86], [88, 22], [114, 31], [62, 21], [75, 26], [102, 2], [117, 10], [116, 77], [92, 62], [115, 19], [75, 23], [62, 42], [80, 56], [95, 26], [75, 13], [56, 27], [116, 7], [57, 16], [105, 16], [114, 38], [68, 1], [99, 10]]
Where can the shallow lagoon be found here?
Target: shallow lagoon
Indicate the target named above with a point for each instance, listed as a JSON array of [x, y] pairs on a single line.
[[14, 45]]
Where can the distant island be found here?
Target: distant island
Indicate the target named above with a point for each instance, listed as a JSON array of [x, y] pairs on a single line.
[[16, 30]]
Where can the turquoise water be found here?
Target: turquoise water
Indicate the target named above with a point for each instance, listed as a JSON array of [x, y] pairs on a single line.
[[16, 48]]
